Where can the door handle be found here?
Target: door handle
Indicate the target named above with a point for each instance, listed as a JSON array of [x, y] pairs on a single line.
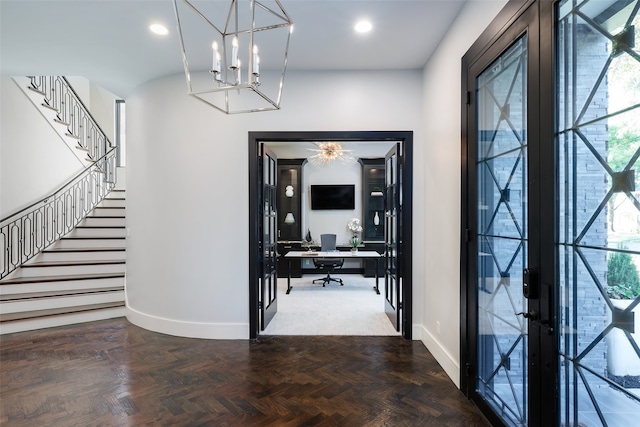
[[531, 315]]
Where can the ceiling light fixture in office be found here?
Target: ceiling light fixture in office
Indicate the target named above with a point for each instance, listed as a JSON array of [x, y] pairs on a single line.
[[329, 152], [235, 43]]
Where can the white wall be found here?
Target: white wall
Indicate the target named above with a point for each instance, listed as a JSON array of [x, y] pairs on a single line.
[[440, 162], [103, 109], [187, 181], [33, 158], [329, 221]]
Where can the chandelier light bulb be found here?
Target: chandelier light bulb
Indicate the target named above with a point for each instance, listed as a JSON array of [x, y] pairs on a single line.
[[216, 58], [256, 61], [235, 63]]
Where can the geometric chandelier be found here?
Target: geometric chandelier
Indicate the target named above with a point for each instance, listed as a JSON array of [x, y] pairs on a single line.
[[235, 56]]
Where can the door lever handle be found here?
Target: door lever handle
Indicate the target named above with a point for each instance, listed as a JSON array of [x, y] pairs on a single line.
[[531, 315]]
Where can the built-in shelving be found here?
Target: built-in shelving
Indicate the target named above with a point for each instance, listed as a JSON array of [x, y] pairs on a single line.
[[373, 199], [373, 211], [289, 188]]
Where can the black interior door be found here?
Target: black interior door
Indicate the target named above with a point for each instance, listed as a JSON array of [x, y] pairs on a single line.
[[392, 238], [268, 289]]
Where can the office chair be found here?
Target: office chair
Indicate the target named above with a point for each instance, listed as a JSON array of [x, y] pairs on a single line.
[[328, 243]]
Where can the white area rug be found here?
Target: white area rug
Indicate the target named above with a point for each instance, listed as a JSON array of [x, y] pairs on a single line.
[[310, 309]]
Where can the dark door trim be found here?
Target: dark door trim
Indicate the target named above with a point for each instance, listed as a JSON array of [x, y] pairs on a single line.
[[406, 140]]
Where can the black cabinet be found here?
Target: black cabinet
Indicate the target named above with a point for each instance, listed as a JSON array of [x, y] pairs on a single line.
[[373, 213], [372, 200], [289, 189]]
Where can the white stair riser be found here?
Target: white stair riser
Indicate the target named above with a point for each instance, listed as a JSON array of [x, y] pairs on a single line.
[[81, 256], [89, 243], [112, 203], [104, 222], [108, 211], [61, 320], [97, 232], [61, 286], [70, 270], [9, 307]]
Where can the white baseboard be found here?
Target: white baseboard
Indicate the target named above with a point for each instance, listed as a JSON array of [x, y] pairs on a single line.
[[181, 328], [448, 363]]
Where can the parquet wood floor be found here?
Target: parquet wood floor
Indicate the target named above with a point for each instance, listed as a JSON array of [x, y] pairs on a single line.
[[112, 373]]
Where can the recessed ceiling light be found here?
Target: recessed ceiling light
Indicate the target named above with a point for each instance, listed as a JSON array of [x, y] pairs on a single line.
[[363, 26], [159, 29]]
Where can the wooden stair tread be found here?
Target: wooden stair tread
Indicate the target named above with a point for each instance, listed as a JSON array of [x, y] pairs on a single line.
[[92, 238], [101, 226], [57, 311], [59, 293], [38, 91], [83, 250], [49, 107], [61, 278], [72, 263]]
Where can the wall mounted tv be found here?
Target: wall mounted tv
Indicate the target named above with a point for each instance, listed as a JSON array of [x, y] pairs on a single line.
[[333, 197]]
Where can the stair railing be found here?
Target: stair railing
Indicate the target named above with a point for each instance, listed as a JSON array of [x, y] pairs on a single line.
[[26, 233], [71, 111]]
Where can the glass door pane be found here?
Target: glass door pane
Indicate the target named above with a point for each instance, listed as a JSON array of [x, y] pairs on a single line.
[[598, 217], [501, 176]]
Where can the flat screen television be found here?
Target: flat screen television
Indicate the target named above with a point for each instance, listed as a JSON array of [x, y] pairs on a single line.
[[333, 197]]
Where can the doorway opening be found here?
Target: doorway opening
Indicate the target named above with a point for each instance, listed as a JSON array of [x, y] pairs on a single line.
[[396, 284]]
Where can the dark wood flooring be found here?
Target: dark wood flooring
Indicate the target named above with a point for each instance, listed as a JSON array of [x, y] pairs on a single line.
[[112, 373]]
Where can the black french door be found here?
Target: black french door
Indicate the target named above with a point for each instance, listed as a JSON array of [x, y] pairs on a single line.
[[268, 289], [392, 238]]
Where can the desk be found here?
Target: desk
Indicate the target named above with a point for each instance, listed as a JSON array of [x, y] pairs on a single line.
[[338, 254]]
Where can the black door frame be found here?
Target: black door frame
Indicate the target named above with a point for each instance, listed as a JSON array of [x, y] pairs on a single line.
[[406, 140], [543, 341]]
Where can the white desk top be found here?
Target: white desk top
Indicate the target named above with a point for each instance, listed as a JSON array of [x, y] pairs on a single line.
[[336, 254]]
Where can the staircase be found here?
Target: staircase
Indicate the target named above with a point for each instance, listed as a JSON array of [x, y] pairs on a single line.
[[79, 278]]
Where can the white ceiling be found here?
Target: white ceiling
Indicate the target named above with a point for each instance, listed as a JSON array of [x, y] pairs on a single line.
[[108, 41]]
